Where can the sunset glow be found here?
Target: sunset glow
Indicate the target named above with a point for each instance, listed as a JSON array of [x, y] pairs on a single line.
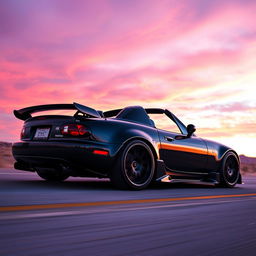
[[195, 57]]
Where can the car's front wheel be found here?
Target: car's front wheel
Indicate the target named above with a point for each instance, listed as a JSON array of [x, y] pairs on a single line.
[[51, 174], [230, 170], [135, 166]]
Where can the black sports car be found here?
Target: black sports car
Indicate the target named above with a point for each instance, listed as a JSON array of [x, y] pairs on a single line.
[[123, 144]]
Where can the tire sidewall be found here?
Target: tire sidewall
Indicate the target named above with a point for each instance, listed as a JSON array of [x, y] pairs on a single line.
[[224, 180], [123, 169]]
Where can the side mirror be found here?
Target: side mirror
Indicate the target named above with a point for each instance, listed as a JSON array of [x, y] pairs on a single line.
[[190, 129]]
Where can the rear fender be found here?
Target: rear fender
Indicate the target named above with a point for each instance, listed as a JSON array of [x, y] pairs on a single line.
[[152, 142], [133, 134]]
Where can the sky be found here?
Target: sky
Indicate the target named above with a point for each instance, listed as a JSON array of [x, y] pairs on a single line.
[[194, 57]]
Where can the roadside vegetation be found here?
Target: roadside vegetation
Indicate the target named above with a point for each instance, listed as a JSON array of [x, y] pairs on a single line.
[[248, 165], [6, 159]]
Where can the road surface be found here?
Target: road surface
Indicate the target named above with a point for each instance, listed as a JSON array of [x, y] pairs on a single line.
[[89, 217]]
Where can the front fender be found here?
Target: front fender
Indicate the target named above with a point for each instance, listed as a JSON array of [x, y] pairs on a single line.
[[216, 153]]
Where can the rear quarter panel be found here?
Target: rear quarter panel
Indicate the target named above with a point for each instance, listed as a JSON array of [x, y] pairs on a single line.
[[118, 132]]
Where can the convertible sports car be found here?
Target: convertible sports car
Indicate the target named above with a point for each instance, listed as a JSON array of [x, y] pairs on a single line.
[[123, 144]]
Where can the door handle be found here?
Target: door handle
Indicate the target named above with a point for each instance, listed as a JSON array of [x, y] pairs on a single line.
[[168, 138]]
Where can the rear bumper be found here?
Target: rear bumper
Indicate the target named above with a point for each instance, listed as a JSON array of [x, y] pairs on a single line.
[[74, 155]]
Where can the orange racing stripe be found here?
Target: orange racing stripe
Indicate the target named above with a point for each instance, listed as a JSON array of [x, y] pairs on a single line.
[[184, 148]]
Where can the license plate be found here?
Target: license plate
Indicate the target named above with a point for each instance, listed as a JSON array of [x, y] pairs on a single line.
[[42, 133]]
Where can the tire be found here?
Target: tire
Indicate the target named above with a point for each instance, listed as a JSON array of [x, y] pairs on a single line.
[[51, 174], [134, 168], [229, 173]]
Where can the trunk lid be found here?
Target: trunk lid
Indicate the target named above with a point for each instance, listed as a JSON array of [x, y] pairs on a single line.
[[44, 127]]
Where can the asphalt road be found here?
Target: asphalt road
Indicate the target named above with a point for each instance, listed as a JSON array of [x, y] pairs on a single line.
[[89, 217]]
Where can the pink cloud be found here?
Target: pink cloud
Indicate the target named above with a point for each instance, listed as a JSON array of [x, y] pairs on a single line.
[[234, 107], [228, 130], [191, 56]]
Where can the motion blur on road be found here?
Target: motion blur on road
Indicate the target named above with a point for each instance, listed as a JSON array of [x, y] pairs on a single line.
[[90, 217]]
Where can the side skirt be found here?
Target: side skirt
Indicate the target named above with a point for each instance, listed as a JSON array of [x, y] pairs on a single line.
[[168, 178], [163, 174]]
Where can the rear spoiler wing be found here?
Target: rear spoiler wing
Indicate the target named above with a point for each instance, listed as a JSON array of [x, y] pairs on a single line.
[[25, 113]]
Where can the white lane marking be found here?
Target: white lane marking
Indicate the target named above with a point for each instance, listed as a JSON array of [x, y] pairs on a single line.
[[15, 216]]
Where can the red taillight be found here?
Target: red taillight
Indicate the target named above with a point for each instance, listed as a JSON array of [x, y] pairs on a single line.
[[22, 133], [74, 130], [82, 130], [100, 152]]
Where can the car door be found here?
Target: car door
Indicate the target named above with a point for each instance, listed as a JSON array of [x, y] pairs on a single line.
[[179, 152]]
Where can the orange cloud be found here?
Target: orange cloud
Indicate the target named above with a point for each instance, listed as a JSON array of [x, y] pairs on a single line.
[[195, 58]]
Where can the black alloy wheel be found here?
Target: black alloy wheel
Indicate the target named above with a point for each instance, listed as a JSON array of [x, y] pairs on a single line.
[[230, 171], [135, 167]]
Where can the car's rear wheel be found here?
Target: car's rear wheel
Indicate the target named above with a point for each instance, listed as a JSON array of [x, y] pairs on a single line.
[[135, 166], [230, 171], [51, 174]]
